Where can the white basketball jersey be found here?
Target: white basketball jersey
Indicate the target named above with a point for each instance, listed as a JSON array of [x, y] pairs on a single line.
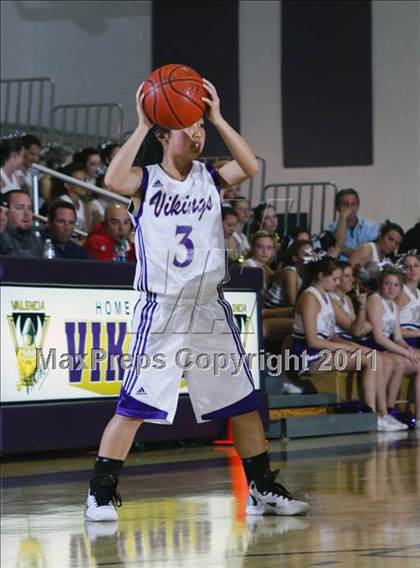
[[179, 242]]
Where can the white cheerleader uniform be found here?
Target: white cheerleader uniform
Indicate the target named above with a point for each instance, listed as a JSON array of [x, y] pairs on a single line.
[[325, 325], [410, 315]]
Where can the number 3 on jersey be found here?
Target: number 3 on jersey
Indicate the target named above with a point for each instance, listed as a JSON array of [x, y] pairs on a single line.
[[188, 244]]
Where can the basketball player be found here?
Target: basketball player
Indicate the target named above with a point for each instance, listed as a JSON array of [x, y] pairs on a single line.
[[175, 209]]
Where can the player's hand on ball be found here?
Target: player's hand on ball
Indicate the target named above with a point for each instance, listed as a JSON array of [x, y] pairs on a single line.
[[143, 119], [212, 102]]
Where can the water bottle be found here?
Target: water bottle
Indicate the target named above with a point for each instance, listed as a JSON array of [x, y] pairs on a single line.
[[49, 251], [120, 252]]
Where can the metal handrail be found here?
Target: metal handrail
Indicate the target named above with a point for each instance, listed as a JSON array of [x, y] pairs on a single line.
[[288, 200], [249, 184], [79, 115], [18, 113], [74, 181]]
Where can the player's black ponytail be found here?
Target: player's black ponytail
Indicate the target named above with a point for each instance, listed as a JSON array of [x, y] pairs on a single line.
[[151, 150]]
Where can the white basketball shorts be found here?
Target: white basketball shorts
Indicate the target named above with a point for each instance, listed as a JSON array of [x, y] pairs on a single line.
[[174, 337]]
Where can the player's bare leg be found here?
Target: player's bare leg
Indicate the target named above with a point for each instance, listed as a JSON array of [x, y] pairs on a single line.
[[266, 497], [248, 434], [103, 497], [118, 437]]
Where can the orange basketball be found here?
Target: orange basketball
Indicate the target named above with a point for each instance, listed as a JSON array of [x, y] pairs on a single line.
[[173, 96]]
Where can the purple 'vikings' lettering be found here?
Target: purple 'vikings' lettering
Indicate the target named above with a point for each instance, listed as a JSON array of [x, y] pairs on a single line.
[[95, 374], [167, 207], [157, 201], [115, 348], [70, 328], [173, 205]]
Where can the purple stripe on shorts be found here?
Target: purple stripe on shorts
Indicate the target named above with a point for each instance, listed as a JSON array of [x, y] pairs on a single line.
[[243, 406], [132, 408], [143, 342], [139, 333], [146, 334]]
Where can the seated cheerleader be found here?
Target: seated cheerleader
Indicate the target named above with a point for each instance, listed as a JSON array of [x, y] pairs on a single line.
[[288, 279], [349, 324], [409, 300], [383, 314], [388, 241], [316, 344]]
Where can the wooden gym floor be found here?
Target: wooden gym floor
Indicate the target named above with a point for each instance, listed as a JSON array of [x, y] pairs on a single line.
[[185, 507]]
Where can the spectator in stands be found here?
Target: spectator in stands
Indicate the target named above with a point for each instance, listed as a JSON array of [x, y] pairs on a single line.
[[287, 281], [108, 152], [91, 160], [19, 238], [4, 211], [327, 242], [231, 193], [263, 248], [409, 301], [111, 236], [358, 230], [383, 314], [230, 224], [11, 159], [31, 155], [61, 224], [295, 234], [73, 193], [411, 239], [55, 157], [98, 205], [242, 208], [314, 332], [388, 241], [265, 219]]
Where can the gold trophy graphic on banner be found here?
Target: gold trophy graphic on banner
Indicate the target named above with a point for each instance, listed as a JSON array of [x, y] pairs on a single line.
[[28, 333]]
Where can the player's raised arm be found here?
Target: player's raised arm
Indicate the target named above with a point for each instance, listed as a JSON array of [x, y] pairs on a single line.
[[121, 176], [244, 164]]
